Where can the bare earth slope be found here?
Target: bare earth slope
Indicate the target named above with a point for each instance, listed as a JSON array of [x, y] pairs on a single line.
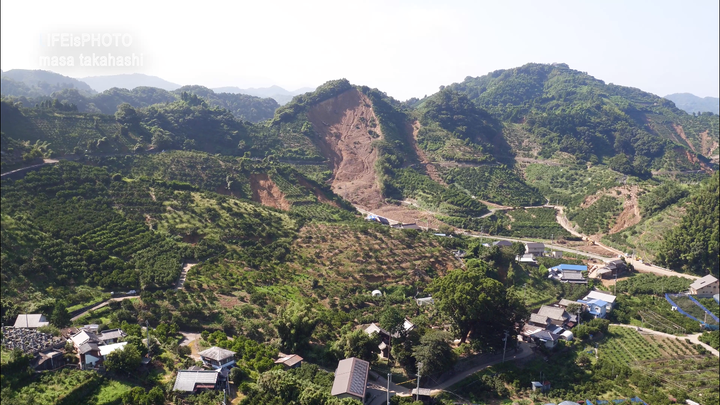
[[343, 124], [267, 193]]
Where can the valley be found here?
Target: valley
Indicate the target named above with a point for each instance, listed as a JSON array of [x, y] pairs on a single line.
[[192, 229]]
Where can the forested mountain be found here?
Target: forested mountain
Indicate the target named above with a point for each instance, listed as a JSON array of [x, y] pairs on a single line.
[[441, 158], [128, 81], [570, 111], [38, 83], [277, 93], [694, 245], [691, 103], [242, 106]]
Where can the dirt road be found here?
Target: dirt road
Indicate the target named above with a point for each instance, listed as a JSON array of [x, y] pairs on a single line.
[[183, 275], [102, 304]]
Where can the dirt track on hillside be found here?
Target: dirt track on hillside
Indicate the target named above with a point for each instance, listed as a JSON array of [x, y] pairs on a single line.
[[267, 193], [343, 123], [429, 167], [630, 214], [680, 131]]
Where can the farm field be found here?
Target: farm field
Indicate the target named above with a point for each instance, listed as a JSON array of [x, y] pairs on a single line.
[[676, 362], [569, 185]]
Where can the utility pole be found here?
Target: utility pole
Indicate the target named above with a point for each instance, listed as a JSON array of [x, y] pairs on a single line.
[[388, 388], [417, 391], [147, 329], [615, 286], [505, 345]]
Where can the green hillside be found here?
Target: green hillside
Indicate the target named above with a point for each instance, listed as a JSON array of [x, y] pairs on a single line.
[[242, 106], [571, 111]]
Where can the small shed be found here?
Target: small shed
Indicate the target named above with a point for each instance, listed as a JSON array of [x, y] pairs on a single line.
[[290, 361], [376, 293]]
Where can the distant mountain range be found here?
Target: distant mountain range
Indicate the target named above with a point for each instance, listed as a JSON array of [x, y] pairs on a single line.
[[694, 104], [128, 81], [277, 93], [36, 83]]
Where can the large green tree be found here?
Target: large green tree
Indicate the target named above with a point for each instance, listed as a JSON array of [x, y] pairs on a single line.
[[694, 246], [127, 359], [358, 344], [435, 353], [295, 325], [478, 304]]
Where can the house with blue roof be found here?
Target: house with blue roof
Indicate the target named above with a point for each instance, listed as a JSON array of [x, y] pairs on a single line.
[[569, 267], [595, 307]]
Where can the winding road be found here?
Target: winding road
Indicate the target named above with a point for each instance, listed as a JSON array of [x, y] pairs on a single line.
[[100, 305]]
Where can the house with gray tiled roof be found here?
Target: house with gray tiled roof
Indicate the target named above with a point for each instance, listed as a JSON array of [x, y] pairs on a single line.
[[351, 379]]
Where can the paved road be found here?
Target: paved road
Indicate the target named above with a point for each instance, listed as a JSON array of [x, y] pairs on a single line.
[[525, 351], [378, 386], [693, 338], [102, 304], [556, 247], [45, 162], [640, 267]]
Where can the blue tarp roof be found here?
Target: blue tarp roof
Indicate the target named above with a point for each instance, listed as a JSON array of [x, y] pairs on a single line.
[[598, 302], [571, 267]]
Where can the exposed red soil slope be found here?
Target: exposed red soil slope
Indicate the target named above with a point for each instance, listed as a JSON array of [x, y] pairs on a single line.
[[343, 123], [679, 129], [267, 193]]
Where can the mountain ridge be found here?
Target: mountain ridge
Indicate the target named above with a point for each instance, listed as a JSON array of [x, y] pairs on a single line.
[[691, 103]]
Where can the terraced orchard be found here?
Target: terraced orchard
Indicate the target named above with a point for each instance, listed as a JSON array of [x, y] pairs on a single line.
[[371, 256], [676, 362]]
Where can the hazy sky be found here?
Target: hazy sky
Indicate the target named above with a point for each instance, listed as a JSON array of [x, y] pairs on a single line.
[[405, 48]]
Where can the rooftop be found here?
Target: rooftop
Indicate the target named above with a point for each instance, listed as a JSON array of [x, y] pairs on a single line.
[[546, 335], [351, 377], [216, 353], [374, 328], [289, 360], [107, 349], [537, 318], [696, 285], [597, 295], [87, 347], [571, 267], [555, 313], [187, 380], [565, 302], [31, 321], [84, 336], [112, 334]]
